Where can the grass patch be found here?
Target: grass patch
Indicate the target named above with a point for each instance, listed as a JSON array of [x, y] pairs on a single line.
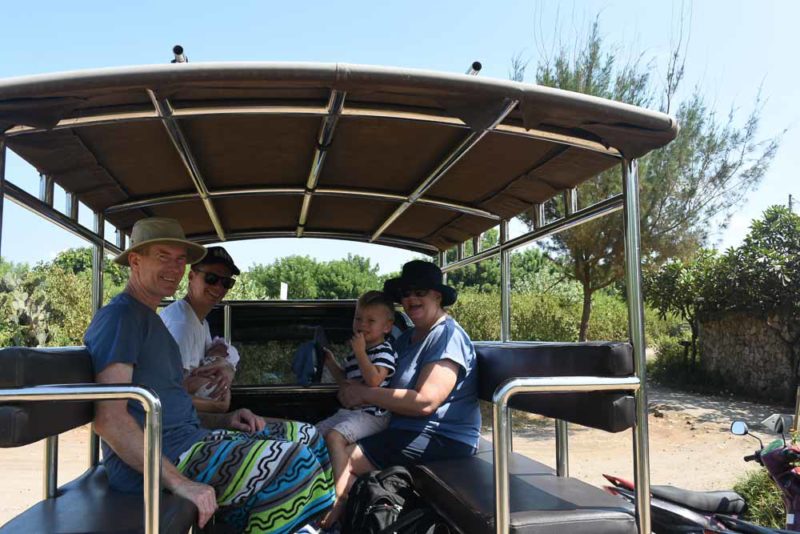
[[764, 503]]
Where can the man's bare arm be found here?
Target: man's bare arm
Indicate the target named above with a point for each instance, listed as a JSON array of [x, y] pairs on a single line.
[[121, 431]]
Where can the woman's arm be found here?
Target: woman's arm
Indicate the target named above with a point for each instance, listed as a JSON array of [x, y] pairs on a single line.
[[434, 385]]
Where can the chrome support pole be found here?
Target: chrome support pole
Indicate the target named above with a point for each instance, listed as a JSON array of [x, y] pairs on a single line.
[[324, 140], [500, 400], [98, 258], [633, 283], [796, 409], [589, 213], [120, 239], [570, 201], [165, 112], [460, 252], [476, 245], [452, 157], [50, 467], [71, 206], [2, 187], [227, 311], [36, 206], [98, 267], [562, 448], [46, 188], [505, 285], [152, 428], [538, 216], [443, 264], [94, 447]]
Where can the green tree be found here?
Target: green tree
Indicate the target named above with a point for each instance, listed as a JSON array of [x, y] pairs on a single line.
[[699, 178], [299, 272], [347, 278], [681, 287]]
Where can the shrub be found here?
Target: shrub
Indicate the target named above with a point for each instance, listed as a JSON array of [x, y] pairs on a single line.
[[764, 503]]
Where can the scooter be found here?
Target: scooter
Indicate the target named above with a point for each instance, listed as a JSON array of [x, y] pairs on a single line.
[[675, 510]]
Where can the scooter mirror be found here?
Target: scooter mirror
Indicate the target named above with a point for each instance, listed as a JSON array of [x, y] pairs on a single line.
[[739, 428], [778, 423]]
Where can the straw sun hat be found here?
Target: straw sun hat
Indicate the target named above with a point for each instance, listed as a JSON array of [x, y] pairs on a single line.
[[155, 230]]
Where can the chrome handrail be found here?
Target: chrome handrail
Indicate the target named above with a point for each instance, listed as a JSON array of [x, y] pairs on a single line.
[[99, 392], [501, 425]]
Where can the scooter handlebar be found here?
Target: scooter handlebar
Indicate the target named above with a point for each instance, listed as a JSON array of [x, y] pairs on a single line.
[[751, 457]]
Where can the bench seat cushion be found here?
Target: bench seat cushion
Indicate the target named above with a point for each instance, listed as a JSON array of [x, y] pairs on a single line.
[[541, 503], [609, 411], [87, 504], [24, 423]]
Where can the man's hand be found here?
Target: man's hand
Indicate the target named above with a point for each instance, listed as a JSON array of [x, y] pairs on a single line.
[[220, 373], [358, 343], [201, 495], [351, 394], [244, 420]]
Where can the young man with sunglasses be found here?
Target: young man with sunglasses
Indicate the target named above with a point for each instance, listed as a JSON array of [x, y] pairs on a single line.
[[208, 365]]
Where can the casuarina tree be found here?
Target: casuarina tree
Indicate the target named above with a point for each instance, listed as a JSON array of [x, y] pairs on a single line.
[[686, 188]]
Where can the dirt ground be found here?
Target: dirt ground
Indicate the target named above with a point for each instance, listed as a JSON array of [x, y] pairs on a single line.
[[690, 446]]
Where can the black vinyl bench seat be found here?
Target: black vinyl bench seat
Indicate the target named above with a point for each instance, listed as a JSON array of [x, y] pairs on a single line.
[[541, 502], [461, 489], [86, 504]]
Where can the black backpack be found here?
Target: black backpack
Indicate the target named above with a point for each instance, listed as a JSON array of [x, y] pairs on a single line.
[[385, 502]]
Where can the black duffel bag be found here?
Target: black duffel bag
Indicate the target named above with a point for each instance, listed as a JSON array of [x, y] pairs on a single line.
[[385, 502]]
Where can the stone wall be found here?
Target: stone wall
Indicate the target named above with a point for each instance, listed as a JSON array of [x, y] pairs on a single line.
[[747, 356]]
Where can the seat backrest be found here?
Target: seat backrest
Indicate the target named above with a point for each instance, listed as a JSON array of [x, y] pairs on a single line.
[[24, 423], [614, 412]]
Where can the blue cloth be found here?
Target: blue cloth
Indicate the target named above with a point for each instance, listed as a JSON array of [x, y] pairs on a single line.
[[304, 364], [459, 417], [127, 331], [405, 447]]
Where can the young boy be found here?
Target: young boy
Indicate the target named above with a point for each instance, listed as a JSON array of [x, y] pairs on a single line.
[[372, 361]]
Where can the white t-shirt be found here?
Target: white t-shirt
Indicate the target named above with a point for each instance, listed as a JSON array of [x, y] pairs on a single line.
[[192, 335]]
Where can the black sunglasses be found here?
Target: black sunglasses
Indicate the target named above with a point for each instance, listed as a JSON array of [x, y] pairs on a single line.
[[419, 293], [212, 279]]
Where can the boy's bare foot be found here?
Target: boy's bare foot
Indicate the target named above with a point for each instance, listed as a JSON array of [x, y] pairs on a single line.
[[334, 513]]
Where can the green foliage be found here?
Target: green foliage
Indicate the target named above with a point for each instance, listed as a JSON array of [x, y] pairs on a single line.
[[547, 317], [764, 503], [701, 176], [761, 277], [310, 279]]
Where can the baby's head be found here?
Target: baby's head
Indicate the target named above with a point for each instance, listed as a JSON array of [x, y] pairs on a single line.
[[374, 317]]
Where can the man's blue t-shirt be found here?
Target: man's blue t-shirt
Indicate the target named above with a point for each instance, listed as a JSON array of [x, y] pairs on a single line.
[[127, 331], [459, 416]]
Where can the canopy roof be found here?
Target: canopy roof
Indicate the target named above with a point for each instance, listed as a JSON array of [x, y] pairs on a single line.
[[413, 159]]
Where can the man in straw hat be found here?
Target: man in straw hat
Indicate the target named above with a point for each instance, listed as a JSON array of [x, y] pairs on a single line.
[[129, 343]]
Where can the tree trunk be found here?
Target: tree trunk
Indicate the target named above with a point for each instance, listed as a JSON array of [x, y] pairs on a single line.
[[693, 323], [587, 312]]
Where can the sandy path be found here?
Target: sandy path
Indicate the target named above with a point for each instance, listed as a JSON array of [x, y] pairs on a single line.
[[690, 446]]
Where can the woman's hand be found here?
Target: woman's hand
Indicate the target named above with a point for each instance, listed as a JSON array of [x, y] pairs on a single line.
[[351, 394]]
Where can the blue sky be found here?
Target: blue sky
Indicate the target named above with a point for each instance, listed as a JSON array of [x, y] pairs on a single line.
[[734, 48]]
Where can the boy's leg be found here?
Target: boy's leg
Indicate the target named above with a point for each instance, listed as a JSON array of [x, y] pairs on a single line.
[[262, 485], [337, 447]]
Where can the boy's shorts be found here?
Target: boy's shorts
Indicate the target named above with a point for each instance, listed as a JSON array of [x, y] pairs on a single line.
[[354, 424]]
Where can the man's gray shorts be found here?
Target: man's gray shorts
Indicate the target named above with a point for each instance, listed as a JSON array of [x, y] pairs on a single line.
[[354, 424]]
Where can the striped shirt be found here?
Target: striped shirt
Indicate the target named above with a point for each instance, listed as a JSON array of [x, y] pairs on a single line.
[[381, 355]]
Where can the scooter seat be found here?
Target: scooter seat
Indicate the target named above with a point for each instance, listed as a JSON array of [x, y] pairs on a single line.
[[713, 502]]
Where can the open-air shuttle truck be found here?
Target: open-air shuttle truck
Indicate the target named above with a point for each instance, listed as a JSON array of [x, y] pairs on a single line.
[[418, 160]]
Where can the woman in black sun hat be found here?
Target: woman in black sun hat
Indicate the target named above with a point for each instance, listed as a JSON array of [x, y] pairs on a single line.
[[433, 392]]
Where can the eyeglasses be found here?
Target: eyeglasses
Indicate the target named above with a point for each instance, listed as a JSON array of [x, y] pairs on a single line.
[[212, 279], [419, 293]]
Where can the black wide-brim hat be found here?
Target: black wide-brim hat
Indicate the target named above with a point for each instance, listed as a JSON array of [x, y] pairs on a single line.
[[419, 274]]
